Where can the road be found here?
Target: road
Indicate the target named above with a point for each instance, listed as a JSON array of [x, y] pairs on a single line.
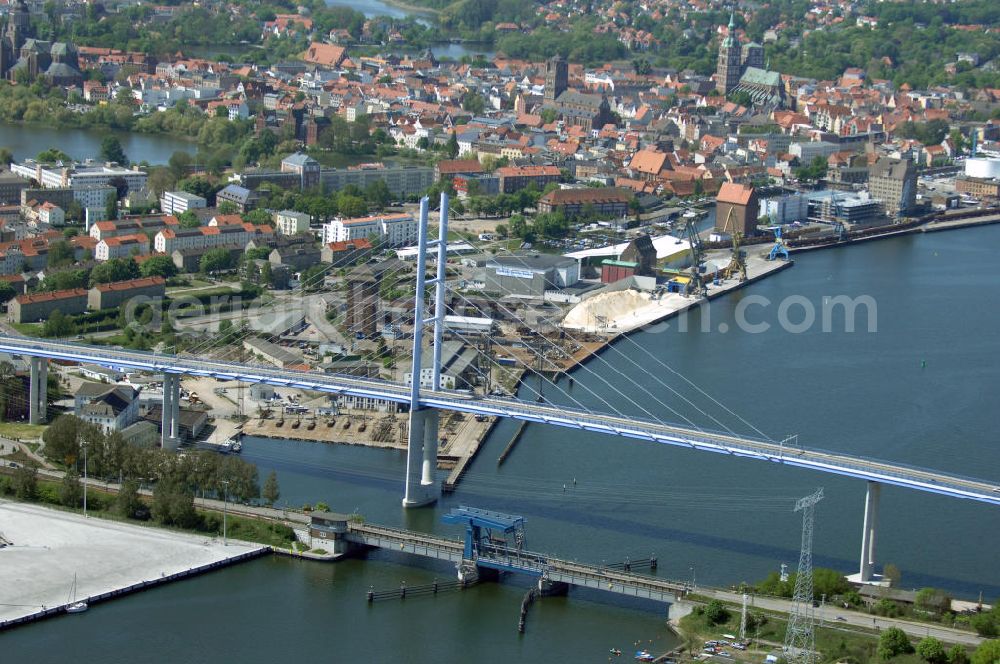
[[830, 615], [887, 472], [916, 630]]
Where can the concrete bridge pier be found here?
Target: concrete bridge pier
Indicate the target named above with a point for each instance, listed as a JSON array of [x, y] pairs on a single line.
[[547, 588], [38, 390], [866, 572], [421, 458], [170, 428]]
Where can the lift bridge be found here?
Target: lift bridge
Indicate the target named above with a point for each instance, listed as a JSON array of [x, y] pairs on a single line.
[[421, 486], [494, 542]]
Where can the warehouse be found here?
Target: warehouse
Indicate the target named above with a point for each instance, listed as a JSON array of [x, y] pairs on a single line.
[[529, 274]]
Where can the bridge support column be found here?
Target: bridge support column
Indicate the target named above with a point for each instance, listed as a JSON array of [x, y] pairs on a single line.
[[548, 588], [171, 420], [866, 572], [421, 458], [38, 390]]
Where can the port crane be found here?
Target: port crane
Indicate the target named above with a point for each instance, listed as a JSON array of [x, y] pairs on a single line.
[[737, 262], [697, 258]]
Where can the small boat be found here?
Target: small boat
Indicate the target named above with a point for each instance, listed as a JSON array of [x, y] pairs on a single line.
[[72, 605], [237, 447], [616, 652], [644, 656]]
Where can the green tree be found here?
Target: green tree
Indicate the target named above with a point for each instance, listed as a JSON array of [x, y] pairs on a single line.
[[932, 651], [188, 219], [173, 502], [116, 269], [257, 217], [128, 504], [452, 146], [111, 150], [378, 195], [271, 492], [216, 260], [70, 489], [892, 574], [6, 157], [988, 652], [52, 155], [26, 481], [958, 655], [985, 624], [934, 600], [111, 206], [178, 164], [58, 324], [60, 253], [7, 292], [158, 266], [893, 642], [62, 439], [716, 613]]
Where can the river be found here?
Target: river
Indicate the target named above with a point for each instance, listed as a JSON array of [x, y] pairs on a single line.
[[918, 390], [28, 140]]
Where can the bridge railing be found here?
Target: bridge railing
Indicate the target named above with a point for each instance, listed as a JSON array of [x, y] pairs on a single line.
[[566, 416]]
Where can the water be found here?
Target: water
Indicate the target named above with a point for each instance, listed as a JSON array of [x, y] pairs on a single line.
[[28, 140], [371, 8], [918, 390], [263, 610], [731, 519], [458, 51]]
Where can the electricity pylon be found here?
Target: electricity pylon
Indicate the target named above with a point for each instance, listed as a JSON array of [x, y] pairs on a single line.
[[800, 639]]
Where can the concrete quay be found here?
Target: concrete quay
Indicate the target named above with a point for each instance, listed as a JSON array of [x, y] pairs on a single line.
[[48, 547]]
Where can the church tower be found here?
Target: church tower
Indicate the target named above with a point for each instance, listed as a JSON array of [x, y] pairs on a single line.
[[556, 78], [730, 68]]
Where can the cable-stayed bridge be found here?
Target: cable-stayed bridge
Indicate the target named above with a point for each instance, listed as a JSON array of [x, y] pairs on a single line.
[[421, 486]]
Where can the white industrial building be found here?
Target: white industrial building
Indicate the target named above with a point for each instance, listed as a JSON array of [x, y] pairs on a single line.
[[785, 209], [394, 230], [176, 202]]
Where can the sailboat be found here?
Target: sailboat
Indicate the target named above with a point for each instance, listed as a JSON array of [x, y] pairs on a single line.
[[72, 605]]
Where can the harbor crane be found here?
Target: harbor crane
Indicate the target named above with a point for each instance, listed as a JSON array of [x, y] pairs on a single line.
[[697, 258], [737, 262]]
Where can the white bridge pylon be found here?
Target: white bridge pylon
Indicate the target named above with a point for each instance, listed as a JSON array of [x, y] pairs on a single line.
[[421, 451]]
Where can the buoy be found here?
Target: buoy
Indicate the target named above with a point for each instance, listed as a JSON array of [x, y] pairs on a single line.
[[923, 364]]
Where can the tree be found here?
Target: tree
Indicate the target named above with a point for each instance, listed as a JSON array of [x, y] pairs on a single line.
[[474, 103], [932, 651], [111, 150], [958, 655], [70, 489], [985, 624], [111, 206], [7, 292], [178, 164], [60, 253], [892, 573], [128, 504], [893, 642], [988, 652], [828, 582], [158, 266], [216, 260], [933, 599], [271, 492], [173, 502], [378, 195], [61, 439], [501, 230], [26, 481], [58, 324], [716, 613], [452, 147], [188, 219], [6, 157], [52, 155], [116, 269]]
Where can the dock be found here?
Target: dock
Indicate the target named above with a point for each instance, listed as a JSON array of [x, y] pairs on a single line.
[[48, 548]]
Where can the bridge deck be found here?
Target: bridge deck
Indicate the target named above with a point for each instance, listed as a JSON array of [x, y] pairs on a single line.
[[532, 564], [886, 472]]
